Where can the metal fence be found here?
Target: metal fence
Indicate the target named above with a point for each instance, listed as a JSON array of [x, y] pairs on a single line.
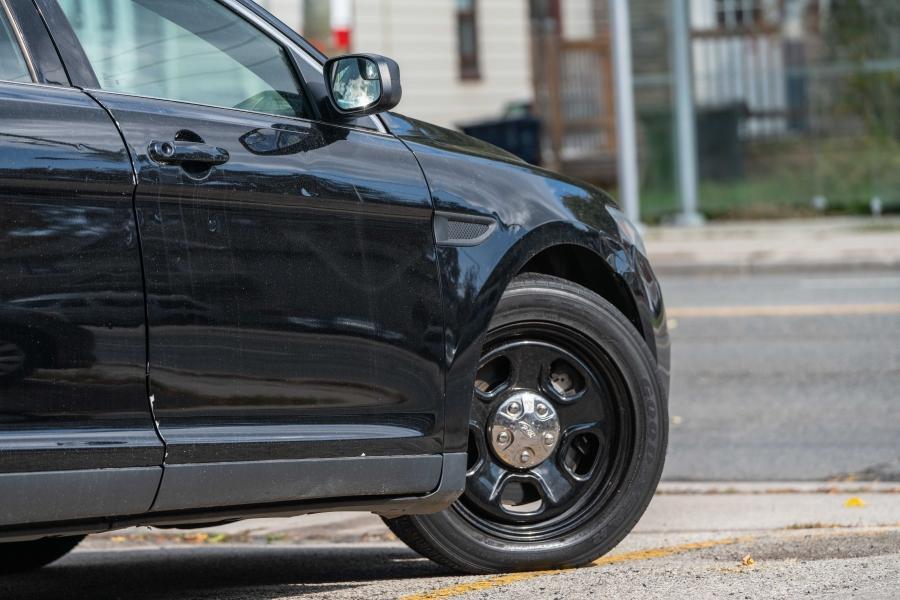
[[797, 105]]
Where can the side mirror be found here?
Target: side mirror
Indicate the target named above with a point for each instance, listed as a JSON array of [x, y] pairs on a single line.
[[363, 84]]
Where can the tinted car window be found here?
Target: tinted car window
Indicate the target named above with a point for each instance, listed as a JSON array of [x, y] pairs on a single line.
[[12, 63], [189, 50]]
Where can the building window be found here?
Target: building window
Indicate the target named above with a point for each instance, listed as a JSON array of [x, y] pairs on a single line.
[[732, 14], [467, 31]]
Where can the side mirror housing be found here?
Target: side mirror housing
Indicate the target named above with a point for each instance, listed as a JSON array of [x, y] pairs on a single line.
[[362, 84]]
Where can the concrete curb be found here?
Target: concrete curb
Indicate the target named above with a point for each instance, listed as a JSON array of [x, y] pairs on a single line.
[[788, 246], [777, 487], [663, 268]]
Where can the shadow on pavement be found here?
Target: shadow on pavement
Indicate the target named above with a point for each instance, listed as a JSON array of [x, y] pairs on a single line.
[[266, 572]]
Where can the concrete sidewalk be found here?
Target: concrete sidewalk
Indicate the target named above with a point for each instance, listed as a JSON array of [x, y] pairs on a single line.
[[863, 243], [678, 508], [697, 540]]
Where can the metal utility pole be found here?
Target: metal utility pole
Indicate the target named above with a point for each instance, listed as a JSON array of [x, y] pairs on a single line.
[[685, 119], [620, 25]]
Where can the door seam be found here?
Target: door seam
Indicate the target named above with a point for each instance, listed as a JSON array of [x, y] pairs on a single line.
[[438, 265], [148, 390]]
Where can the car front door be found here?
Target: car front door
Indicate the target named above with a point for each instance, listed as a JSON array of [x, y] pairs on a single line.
[[295, 325], [77, 439]]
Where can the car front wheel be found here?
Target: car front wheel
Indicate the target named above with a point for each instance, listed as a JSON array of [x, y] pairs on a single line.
[[567, 437]]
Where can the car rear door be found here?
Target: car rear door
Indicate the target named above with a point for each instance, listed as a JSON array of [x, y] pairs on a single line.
[[77, 439], [296, 333]]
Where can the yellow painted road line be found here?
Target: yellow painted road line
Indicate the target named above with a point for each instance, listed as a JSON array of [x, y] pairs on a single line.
[[501, 580], [787, 310]]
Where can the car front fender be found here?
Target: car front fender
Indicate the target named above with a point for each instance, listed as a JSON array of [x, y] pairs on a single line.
[[533, 211]]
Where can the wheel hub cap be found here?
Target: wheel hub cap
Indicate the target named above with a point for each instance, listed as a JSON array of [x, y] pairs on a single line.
[[524, 430]]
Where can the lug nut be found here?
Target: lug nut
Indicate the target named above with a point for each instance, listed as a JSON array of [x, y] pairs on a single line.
[[525, 457], [514, 408], [503, 437], [541, 409], [549, 439]]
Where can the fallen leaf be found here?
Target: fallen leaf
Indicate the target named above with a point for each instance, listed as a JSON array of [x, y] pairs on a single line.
[[118, 539], [748, 561], [854, 502]]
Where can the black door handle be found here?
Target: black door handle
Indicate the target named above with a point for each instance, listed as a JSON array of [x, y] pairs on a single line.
[[187, 153]]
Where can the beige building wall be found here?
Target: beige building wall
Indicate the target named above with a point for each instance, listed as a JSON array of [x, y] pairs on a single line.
[[421, 36], [578, 19], [289, 11]]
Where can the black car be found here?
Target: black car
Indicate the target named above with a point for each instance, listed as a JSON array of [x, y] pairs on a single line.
[[233, 284]]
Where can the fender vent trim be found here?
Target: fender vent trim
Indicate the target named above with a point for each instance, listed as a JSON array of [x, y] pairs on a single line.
[[453, 229]]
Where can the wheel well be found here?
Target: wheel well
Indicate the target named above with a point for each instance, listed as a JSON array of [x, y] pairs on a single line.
[[580, 265]]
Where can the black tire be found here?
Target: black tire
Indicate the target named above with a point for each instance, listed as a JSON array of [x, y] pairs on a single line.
[[20, 557], [463, 539]]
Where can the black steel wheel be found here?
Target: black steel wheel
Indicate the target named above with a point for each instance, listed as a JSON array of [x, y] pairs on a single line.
[[535, 476], [567, 437]]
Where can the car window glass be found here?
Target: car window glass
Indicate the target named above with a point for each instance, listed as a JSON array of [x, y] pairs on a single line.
[[189, 50], [12, 63]]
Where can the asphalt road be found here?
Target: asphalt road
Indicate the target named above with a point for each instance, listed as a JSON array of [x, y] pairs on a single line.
[[811, 563], [785, 377]]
